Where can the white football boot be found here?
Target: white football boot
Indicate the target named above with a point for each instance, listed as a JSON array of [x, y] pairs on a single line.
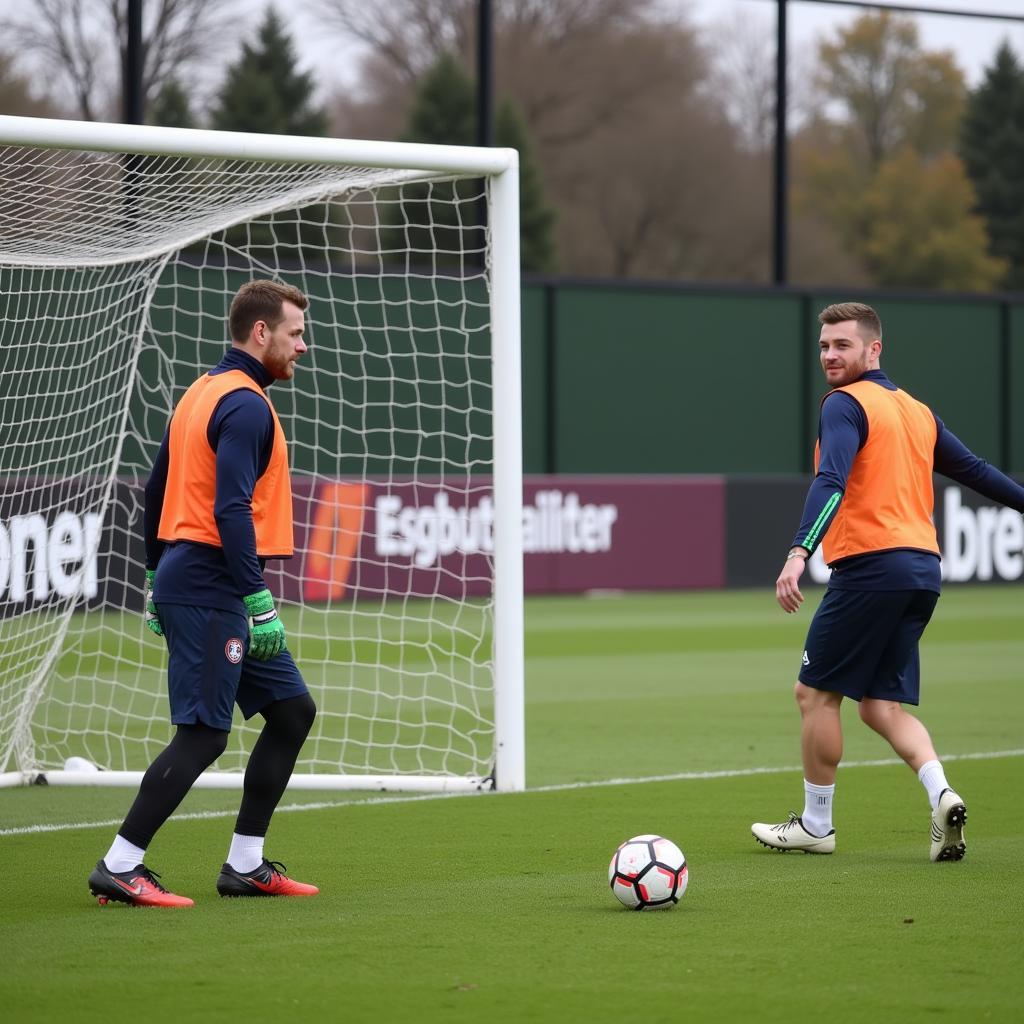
[[791, 835], [948, 828]]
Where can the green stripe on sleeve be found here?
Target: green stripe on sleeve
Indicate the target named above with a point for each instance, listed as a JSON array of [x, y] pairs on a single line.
[[811, 540]]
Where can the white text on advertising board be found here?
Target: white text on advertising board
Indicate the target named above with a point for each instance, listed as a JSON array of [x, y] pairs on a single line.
[[555, 522], [63, 557]]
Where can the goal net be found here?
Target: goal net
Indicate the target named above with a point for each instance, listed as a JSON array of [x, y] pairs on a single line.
[[120, 250]]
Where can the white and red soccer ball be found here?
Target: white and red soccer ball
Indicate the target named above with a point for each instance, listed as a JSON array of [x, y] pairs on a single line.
[[648, 873]]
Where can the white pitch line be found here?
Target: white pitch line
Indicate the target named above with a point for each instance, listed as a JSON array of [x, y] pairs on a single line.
[[320, 805], [733, 773]]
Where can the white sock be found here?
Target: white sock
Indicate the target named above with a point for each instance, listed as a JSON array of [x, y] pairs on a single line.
[[817, 816], [123, 856], [933, 778], [246, 853]]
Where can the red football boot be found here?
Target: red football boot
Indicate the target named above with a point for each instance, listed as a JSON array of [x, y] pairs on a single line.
[[269, 879], [138, 888]]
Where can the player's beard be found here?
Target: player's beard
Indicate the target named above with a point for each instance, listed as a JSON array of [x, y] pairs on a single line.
[[849, 372], [279, 363]]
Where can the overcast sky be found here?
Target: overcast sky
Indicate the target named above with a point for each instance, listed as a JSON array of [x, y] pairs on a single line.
[[972, 40]]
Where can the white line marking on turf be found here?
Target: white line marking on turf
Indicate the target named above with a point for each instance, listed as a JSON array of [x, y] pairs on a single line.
[[733, 773], [320, 805]]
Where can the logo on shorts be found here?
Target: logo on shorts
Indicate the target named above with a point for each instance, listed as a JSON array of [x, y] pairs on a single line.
[[806, 660], [234, 650]]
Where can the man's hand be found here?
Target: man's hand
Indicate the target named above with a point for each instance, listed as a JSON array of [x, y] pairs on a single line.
[[787, 588], [152, 616], [267, 637]]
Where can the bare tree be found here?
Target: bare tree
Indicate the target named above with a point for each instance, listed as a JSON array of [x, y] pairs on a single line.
[[19, 96], [408, 35], [82, 43], [742, 78], [648, 175], [547, 56]]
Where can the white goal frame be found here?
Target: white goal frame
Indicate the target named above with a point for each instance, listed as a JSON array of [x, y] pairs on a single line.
[[498, 165]]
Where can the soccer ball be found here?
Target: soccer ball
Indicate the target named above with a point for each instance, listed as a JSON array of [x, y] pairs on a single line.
[[648, 873]]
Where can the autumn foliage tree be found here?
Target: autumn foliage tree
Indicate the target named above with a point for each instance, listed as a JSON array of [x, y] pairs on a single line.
[[885, 174], [892, 93], [922, 231]]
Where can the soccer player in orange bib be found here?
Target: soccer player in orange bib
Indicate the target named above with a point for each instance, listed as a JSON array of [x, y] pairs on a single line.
[[218, 505], [870, 507]]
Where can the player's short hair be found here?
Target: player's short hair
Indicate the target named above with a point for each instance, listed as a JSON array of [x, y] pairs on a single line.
[[261, 300], [868, 323]]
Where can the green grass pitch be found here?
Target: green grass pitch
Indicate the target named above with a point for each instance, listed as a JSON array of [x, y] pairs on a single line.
[[496, 907]]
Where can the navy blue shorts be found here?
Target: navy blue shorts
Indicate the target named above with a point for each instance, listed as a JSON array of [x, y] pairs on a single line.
[[208, 671], [863, 643]]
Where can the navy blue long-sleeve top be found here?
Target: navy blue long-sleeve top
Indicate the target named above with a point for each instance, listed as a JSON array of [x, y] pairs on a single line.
[[842, 432], [241, 433]]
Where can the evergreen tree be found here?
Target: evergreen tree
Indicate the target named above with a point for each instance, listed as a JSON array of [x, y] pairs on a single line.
[[171, 108], [263, 91], [536, 217], [442, 218], [439, 221], [992, 148], [443, 111]]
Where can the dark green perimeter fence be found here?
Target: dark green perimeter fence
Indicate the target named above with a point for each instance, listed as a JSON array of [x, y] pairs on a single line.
[[643, 378], [618, 377]]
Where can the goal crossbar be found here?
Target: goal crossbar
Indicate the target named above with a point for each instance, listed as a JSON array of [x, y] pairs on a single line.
[[153, 140]]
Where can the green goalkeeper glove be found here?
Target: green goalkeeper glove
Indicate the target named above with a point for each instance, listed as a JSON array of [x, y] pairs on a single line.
[[152, 616], [267, 637]]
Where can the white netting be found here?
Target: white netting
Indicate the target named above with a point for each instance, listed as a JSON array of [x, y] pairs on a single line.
[[115, 276]]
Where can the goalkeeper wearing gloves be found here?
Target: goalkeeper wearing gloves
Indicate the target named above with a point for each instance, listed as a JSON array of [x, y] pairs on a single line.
[[218, 505]]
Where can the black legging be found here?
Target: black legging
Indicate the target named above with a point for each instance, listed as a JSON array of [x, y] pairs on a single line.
[[271, 762], [195, 747], [192, 750]]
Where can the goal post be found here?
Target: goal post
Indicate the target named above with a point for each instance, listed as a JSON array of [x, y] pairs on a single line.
[[120, 249]]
